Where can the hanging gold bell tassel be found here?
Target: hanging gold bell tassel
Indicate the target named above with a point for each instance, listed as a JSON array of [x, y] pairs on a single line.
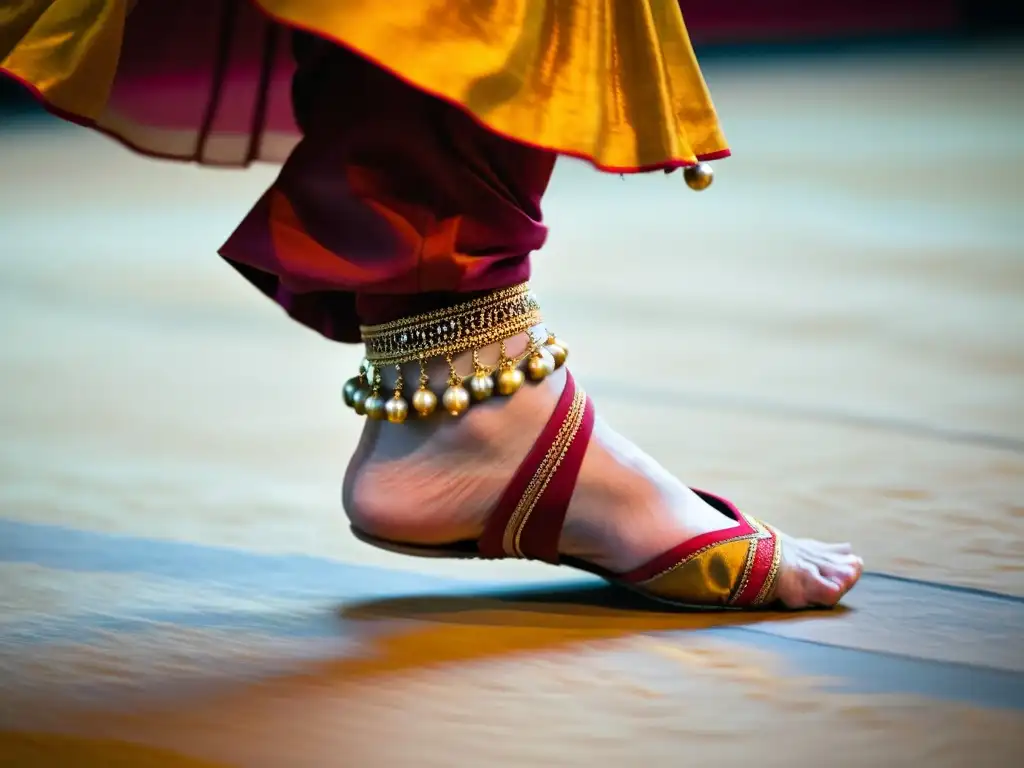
[[375, 405], [509, 378], [557, 349], [456, 398], [397, 409], [481, 383], [698, 177], [424, 402], [540, 364], [356, 390]]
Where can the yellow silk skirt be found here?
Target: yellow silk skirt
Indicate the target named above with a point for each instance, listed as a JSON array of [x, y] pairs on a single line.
[[613, 81]]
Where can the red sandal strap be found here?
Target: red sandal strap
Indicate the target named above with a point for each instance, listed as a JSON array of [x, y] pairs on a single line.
[[527, 521]]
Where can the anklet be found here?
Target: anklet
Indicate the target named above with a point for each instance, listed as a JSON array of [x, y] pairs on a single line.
[[445, 334]]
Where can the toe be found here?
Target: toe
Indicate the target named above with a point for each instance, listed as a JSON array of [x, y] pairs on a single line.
[[816, 574], [806, 587], [823, 591], [850, 562], [844, 575]]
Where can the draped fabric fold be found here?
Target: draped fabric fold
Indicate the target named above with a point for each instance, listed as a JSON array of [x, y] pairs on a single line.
[[612, 81], [417, 136]]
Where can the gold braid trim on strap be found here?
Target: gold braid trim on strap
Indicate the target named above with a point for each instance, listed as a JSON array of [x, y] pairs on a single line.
[[447, 333]]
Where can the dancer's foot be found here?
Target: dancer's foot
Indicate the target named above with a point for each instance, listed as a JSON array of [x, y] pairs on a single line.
[[436, 481]]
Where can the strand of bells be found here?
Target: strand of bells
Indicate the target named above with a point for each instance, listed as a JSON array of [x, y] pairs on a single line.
[[362, 393]]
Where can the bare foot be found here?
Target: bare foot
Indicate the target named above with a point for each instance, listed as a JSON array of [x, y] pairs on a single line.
[[435, 481]]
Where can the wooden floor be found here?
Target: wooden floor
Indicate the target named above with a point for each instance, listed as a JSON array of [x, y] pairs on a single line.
[[835, 327]]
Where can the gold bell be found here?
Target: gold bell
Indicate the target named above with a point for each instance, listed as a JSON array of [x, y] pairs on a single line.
[[699, 176], [424, 401], [375, 407], [396, 409], [510, 380], [359, 398], [540, 365], [558, 350], [455, 400], [348, 392], [481, 385]]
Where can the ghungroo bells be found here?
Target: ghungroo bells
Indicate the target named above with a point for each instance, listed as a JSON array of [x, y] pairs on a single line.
[[447, 334]]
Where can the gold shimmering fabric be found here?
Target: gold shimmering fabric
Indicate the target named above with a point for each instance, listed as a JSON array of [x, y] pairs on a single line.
[[66, 50], [710, 578], [612, 81]]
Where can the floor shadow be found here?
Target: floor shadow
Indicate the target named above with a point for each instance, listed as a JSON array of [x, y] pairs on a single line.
[[453, 627], [598, 606]]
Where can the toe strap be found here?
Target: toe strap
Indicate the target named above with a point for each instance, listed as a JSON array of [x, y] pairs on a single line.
[[760, 569], [736, 567]]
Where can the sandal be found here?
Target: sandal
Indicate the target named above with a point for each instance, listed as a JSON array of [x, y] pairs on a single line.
[[735, 568]]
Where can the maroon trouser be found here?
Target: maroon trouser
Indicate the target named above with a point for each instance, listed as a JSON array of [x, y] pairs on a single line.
[[394, 202]]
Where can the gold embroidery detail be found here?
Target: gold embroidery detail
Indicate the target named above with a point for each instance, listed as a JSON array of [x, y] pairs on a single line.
[[545, 472], [451, 331], [762, 532]]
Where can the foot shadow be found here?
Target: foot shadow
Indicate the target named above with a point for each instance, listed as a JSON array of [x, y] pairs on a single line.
[[467, 624], [600, 606]]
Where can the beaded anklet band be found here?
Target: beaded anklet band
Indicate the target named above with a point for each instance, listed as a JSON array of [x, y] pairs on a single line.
[[447, 333]]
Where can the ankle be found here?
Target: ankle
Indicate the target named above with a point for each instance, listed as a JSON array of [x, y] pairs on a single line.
[[437, 480]]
